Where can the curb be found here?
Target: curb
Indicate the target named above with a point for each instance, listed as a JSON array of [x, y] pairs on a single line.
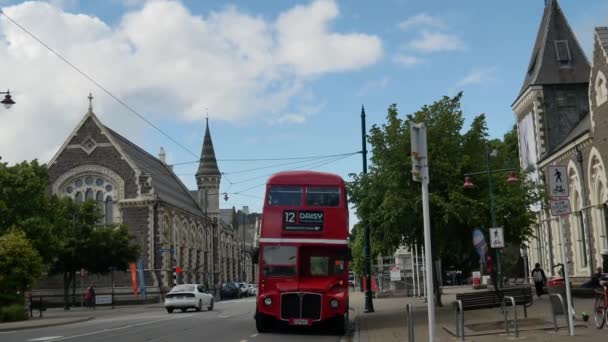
[[80, 320]]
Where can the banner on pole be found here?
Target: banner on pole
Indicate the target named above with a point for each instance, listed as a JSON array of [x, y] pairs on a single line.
[[133, 270], [142, 280]]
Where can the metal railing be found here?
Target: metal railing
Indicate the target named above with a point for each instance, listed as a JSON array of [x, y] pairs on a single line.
[[505, 300], [409, 322]]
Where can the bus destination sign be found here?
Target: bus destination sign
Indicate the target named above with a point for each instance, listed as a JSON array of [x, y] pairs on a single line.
[[303, 220]]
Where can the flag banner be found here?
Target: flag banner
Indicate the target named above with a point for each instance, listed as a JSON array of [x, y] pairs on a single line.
[[133, 270], [142, 280]]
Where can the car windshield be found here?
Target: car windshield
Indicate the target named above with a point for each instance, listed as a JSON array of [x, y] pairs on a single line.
[[183, 288], [280, 261]]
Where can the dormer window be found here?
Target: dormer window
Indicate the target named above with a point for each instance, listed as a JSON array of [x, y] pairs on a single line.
[[563, 52], [601, 90]]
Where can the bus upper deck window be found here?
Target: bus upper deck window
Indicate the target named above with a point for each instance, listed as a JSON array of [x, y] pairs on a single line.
[[285, 196], [323, 196]]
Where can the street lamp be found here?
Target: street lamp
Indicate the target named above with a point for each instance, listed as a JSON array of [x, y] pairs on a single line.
[[468, 184], [7, 101]]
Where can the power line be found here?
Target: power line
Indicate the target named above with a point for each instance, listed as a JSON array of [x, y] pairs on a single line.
[[270, 159], [98, 85]]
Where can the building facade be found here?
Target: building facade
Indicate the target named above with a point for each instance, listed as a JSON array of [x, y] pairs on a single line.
[[174, 226], [562, 119]]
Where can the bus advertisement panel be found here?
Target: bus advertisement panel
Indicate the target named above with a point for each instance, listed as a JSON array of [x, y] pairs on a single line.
[[304, 254]]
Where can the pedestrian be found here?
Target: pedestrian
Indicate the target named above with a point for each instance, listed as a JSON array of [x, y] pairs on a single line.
[[87, 296], [539, 279], [91, 295]]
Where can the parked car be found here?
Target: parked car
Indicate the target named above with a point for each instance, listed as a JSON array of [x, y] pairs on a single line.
[[252, 289], [243, 288], [188, 296], [230, 290]]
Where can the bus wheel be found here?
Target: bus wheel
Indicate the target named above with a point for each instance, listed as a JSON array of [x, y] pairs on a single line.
[[262, 323]]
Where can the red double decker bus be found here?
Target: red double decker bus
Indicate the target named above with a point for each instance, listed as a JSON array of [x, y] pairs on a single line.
[[304, 255]]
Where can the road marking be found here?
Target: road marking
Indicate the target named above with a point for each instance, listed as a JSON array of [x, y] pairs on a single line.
[[254, 335], [118, 328], [243, 340], [46, 338], [222, 316]]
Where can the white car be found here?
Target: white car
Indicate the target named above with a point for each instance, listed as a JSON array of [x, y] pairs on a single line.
[[243, 288], [252, 289], [188, 296]]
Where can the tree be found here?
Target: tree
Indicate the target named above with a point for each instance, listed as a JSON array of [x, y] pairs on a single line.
[[20, 264], [88, 245], [389, 201]]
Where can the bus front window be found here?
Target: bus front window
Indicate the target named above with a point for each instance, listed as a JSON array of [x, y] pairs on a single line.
[[279, 261], [324, 266]]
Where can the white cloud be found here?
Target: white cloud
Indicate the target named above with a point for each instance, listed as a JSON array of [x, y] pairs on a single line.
[[167, 63], [421, 19], [478, 76], [407, 60], [430, 41], [377, 84]]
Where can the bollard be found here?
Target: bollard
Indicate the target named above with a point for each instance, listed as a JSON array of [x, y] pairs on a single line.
[[506, 313], [409, 319]]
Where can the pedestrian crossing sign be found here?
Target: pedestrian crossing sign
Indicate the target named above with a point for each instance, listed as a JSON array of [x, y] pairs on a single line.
[[497, 238]]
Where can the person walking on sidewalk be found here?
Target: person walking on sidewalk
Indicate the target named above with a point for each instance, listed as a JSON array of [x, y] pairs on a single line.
[[539, 279]]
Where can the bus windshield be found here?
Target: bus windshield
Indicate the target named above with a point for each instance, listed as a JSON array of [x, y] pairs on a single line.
[[279, 261], [317, 262]]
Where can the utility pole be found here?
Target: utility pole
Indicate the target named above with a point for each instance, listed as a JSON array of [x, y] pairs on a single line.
[[369, 305], [420, 173]]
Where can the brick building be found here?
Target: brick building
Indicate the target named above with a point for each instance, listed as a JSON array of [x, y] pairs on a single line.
[[562, 118], [142, 191]]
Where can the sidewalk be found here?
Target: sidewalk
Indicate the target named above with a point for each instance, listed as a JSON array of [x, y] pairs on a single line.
[[387, 323], [58, 316]]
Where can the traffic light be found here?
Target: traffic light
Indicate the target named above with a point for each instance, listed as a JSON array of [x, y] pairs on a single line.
[[420, 170]]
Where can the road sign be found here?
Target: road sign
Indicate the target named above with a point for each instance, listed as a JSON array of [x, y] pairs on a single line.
[[165, 250], [497, 238], [558, 181], [420, 169], [103, 299], [395, 273], [560, 207]]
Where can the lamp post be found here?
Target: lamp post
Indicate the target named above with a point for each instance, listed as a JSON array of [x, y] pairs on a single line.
[[468, 184], [7, 101]]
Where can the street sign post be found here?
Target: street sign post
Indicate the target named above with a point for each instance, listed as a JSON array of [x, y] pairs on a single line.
[[497, 238], [420, 173], [560, 206]]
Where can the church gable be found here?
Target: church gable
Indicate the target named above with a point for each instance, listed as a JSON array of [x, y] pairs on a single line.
[[88, 147]]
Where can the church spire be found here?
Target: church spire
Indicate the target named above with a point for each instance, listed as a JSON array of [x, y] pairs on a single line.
[[557, 57], [207, 164]]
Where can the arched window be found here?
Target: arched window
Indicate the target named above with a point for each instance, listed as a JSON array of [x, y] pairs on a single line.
[[109, 210], [88, 196], [601, 89], [78, 197]]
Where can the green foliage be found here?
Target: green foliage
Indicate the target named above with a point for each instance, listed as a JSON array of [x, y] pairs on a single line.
[[389, 201], [20, 264], [13, 313]]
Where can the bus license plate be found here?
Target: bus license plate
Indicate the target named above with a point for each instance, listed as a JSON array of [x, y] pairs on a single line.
[[300, 321]]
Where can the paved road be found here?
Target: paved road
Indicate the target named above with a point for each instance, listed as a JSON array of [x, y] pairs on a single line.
[[229, 321]]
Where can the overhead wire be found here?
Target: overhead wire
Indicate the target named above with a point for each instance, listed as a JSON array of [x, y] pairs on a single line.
[[129, 108]]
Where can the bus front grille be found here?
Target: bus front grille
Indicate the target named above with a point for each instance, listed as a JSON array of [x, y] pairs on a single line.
[[290, 305], [301, 305], [311, 306]]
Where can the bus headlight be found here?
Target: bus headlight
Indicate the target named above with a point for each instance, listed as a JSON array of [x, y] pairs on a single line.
[[334, 303], [268, 301]]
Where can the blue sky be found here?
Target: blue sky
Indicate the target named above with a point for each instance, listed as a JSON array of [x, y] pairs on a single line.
[[300, 72]]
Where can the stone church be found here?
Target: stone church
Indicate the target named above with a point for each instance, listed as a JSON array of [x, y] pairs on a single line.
[[173, 225], [562, 119]]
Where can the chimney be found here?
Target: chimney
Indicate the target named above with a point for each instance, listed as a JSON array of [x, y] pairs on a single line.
[[161, 155]]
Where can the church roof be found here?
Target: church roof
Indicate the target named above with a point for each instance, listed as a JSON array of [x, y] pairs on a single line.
[[208, 164], [581, 128], [602, 35], [545, 66], [167, 185]]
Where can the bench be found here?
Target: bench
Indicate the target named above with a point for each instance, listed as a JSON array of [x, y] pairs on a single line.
[[522, 295], [37, 304]]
